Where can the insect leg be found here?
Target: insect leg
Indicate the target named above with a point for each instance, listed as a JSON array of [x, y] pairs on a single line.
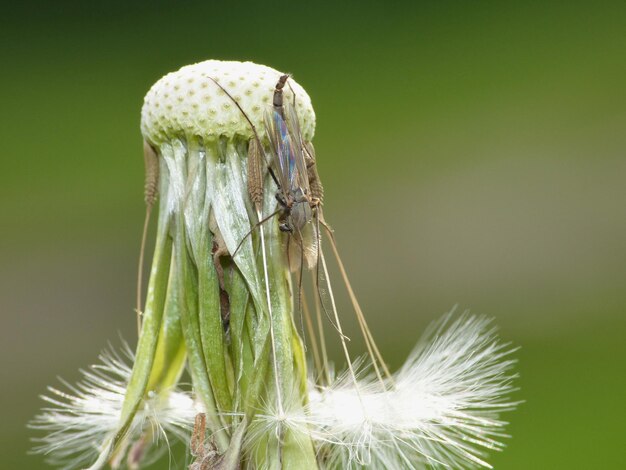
[[257, 225], [315, 184], [317, 359], [367, 334], [151, 181], [301, 275]]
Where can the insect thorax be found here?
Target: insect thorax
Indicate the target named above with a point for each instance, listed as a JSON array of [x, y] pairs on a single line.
[[297, 211]]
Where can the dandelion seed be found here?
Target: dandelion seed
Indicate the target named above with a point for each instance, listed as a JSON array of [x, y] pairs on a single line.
[[443, 409], [81, 422]]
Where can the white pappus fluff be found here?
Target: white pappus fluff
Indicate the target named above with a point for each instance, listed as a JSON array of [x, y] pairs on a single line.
[[440, 411], [78, 421]]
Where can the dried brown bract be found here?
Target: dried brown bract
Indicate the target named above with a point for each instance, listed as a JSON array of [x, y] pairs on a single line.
[[256, 162], [151, 182], [206, 455]]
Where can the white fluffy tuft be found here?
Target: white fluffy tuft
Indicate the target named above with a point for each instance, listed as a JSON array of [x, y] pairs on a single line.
[[441, 409], [80, 422]]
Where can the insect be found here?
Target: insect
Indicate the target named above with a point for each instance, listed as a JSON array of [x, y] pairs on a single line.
[[300, 194], [293, 169], [292, 161], [283, 131]]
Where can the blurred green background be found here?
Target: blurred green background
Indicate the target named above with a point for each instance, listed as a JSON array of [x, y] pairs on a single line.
[[473, 153]]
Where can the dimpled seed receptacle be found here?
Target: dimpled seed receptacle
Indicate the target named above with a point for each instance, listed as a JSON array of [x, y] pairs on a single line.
[[188, 102]]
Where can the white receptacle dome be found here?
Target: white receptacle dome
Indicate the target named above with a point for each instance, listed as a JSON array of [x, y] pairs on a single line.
[[188, 103]]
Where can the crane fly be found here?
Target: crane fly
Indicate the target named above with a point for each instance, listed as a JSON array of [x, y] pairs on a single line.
[[292, 167], [299, 194], [286, 147], [297, 204]]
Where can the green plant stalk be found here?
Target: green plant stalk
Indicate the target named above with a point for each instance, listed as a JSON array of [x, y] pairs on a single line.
[[296, 451]]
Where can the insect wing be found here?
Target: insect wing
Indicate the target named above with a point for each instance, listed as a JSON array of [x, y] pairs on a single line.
[[280, 146], [299, 177]]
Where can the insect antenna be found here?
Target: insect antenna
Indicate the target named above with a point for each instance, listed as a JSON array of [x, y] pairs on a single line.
[[293, 92], [151, 183]]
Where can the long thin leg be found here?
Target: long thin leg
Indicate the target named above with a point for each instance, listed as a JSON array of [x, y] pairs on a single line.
[[320, 328], [299, 301], [318, 288], [317, 360], [369, 338], [257, 225], [277, 380]]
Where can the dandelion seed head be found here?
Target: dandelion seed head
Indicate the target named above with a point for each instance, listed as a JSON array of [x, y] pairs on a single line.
[[441, 409]]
